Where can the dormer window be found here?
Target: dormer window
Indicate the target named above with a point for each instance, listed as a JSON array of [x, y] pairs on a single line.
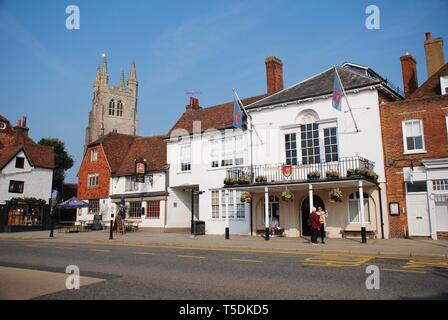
[[444, 85], [20, 162]]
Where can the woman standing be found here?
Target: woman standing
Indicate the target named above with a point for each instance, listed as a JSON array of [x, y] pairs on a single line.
[[323, 215]]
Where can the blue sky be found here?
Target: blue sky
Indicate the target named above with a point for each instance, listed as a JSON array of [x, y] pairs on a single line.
[[207, 46]]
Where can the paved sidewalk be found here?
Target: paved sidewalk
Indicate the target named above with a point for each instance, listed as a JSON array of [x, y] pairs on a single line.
[[378, 247]]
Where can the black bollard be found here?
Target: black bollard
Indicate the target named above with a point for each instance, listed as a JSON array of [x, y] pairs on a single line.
[[51, 225], [111, 231]]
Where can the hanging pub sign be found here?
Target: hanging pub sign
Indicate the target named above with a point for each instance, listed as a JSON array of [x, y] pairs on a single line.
[[287, 170], [140, 171]]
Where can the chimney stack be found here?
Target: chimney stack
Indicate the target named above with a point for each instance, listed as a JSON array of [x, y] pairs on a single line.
[[435, 56], [194, 104], [274, 74], [409, 70], [21, 131]]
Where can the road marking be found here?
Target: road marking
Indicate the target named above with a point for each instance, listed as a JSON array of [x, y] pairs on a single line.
[[423, 264], [99, 250], [63, 248], [144, 253], [189, 257], [32, 245], [332, 260], [401, 270], [247, 260]]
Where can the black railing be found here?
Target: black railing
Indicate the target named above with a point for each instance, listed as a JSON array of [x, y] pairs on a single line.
[[279, 173]]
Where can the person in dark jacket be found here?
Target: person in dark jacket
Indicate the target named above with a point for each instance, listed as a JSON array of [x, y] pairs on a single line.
[[315, 226]]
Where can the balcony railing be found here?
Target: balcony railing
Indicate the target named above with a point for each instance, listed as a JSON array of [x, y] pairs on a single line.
[[278, 173]]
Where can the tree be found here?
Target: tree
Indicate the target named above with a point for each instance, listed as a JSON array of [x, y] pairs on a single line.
[[62, 161]]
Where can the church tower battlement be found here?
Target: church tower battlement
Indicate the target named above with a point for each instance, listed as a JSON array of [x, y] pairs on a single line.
[[114, 108]]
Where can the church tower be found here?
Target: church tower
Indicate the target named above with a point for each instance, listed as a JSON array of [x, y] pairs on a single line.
[[114, 108]]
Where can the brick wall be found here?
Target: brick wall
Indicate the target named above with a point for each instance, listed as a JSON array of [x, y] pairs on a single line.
[[432, 112], [100, 166]]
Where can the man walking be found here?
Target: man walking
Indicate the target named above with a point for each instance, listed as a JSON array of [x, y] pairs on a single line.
[[315, 225]]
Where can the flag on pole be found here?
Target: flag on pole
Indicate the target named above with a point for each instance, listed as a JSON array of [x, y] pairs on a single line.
[[237, 114], [337, 92]]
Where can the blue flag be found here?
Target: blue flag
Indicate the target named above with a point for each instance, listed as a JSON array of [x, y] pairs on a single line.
[[337, 92], [237, 114]]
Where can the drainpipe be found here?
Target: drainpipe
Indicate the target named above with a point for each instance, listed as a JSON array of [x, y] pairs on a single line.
[[251, 219], [381, 211]]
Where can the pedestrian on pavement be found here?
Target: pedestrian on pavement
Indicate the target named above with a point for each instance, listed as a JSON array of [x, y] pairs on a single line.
[[323, 215], [315, 225]]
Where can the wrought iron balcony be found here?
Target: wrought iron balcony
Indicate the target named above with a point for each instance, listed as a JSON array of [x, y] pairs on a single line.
[[281, 173]]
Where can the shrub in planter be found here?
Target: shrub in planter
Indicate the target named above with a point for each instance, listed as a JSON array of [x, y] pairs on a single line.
[[335, 195], [353, 172], [287, 196], [229, 181], [261, 179], [314, 175], [243, 180], [332, 174], [370, 174], [246, 197]]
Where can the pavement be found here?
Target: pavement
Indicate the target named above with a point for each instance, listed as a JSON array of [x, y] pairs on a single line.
[[144, 238]]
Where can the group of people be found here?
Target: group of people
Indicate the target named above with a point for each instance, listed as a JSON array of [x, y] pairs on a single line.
[[317, 223]]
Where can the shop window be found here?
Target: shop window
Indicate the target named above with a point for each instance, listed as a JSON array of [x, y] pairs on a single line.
[[135, 210], [153, 209], [353, 207], [94, 206]]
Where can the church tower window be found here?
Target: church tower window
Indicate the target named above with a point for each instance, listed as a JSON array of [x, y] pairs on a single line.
[[120, 109], [112, 107]]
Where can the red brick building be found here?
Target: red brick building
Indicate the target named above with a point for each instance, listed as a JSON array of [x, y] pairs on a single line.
[[415, 139]]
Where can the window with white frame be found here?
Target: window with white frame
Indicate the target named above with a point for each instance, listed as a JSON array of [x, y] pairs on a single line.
[[135, 209], [215, 204], [228, 151], [440, 185], [413, 136], [331, 144], [291, 149], [131, 184], [94, 206], [310, 143], [354, 210], [185, 157], [93, 180], [237, 208], [93, 155]]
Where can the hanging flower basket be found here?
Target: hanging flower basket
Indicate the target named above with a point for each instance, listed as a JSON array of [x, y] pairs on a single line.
[[335, 195], [246, 197], [288, 196]]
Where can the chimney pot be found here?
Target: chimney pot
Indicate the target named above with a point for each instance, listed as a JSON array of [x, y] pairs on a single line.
[[19, 123], [24, 121], [274, 74], [428, 35]]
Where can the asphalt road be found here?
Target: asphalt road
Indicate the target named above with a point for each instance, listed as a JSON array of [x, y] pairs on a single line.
[[162, 273]]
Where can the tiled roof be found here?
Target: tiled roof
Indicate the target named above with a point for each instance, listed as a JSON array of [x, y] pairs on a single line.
[[153, 149], [38, 156], [318, 85], [216, 117], [431, 87], [116, 146], [121, 150]]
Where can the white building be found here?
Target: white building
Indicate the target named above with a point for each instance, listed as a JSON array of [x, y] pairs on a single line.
[[294, 132]]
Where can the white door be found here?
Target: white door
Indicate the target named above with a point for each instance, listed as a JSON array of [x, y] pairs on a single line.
[[418, 215], [442, 215]]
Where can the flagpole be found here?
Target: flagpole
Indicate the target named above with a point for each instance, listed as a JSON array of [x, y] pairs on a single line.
[[247, 115], [346, 99]]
